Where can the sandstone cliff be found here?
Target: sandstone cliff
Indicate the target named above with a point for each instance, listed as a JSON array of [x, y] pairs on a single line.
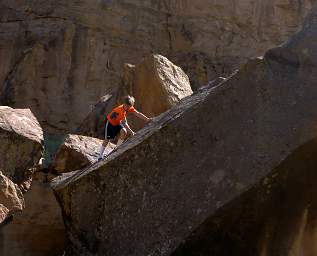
[[58, 58], [151, 193]]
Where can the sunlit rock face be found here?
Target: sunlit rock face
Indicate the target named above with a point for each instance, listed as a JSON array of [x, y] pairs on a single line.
[[159, 85], [152, 193], [59, 58]]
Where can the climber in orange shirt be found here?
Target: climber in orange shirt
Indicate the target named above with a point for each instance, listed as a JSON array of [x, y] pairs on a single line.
[[117, 123]]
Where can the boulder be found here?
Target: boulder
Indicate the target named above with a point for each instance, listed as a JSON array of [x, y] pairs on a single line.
[[201, 156], [77, 152], [21, 143], [159, 85]]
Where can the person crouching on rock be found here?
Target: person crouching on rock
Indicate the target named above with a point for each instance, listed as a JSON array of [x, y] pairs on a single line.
[[117, 123]]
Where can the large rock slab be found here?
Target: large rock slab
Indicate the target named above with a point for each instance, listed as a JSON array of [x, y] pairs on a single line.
[[58, 59], [21, 142], [77, 152], [150, 194]]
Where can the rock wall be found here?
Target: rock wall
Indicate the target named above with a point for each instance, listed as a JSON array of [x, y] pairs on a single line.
[[151, 193], [59, 58]]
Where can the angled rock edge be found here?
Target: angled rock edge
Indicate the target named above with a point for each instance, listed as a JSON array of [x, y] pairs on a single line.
[[197, 157]]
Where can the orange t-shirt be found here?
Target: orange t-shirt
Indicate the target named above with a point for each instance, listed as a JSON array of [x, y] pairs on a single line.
[[118, 114]]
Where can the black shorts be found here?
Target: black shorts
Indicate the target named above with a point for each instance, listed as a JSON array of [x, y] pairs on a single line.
[[111, 131]]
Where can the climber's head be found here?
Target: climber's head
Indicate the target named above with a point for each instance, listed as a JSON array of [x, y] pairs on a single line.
[[128, 102]]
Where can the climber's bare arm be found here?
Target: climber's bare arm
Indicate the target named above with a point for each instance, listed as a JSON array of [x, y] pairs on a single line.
[[142, 116]]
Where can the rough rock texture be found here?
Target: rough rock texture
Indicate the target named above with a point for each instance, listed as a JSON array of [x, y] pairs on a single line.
[[21, 142], [150, 194], [38, 230], [4, 213], [276, 217], [77, 152], [10, 195], [159, 85], [59, 58]]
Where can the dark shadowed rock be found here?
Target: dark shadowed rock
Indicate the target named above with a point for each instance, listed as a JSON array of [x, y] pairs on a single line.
[[77, 152], [153, 191], [38, 230], [94, 124], [276, 217], [21, 140]]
